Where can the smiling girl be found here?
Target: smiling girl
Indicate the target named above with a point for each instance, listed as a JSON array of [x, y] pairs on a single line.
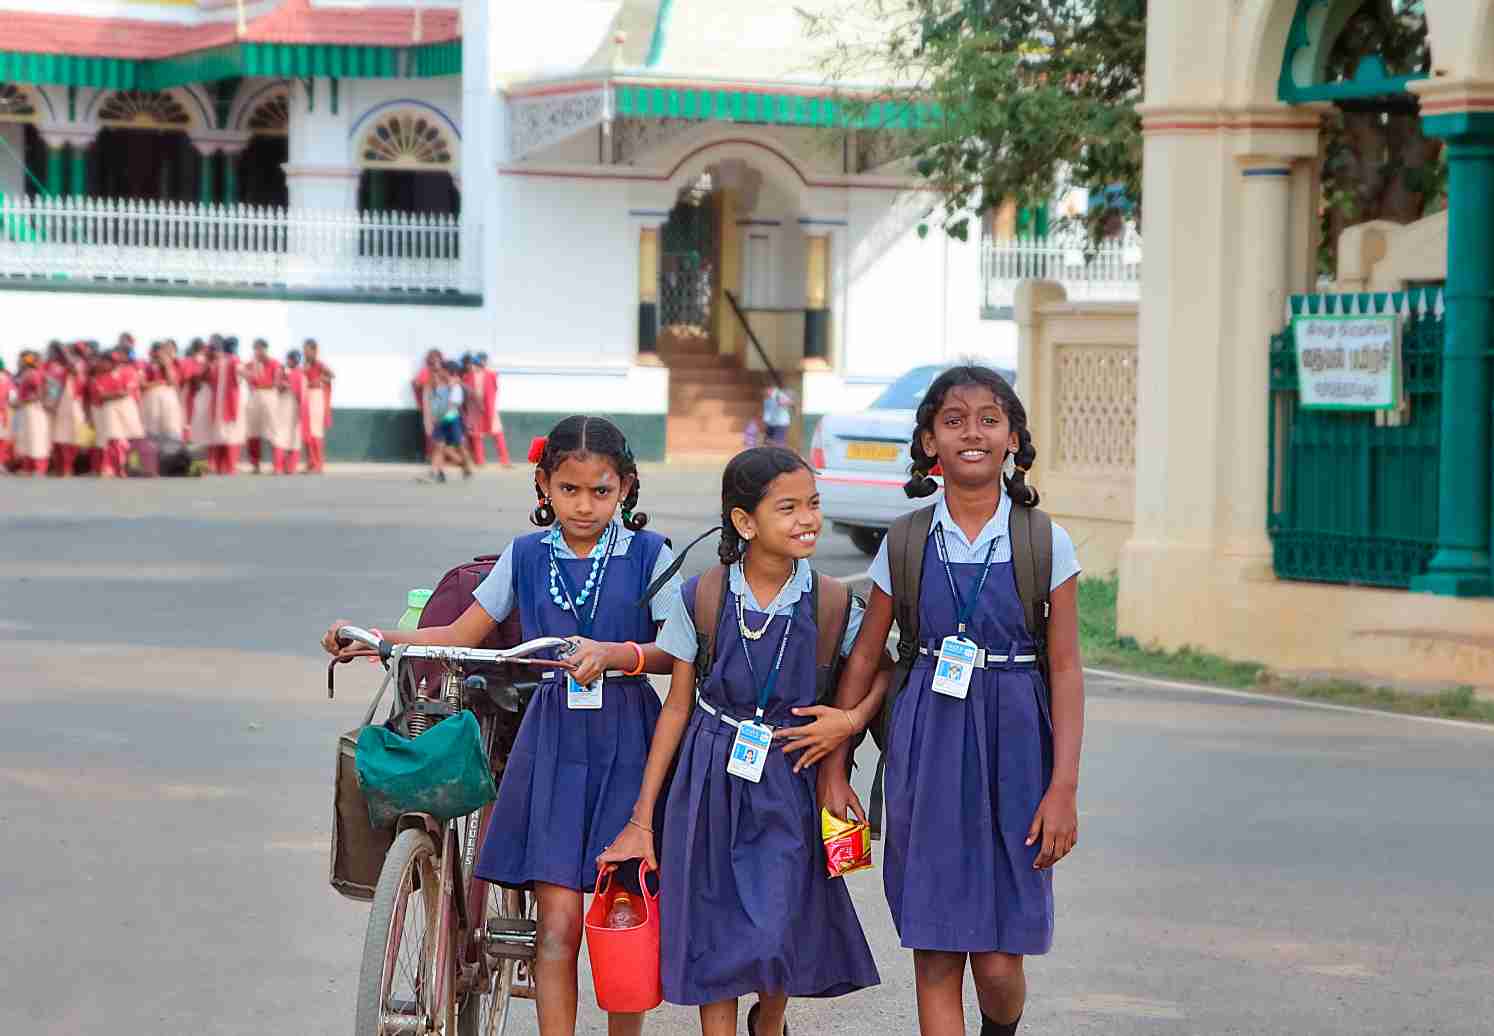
[[746, 906], [982, 756], [577, 763]]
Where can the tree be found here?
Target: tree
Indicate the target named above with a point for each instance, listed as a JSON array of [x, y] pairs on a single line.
[[1039, 95], [1033, 95]]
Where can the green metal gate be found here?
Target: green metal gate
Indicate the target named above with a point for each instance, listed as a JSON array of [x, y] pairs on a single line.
[[688, 266], [1354, 498]]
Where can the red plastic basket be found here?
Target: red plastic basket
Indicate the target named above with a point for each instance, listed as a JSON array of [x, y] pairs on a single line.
[[624, 961]]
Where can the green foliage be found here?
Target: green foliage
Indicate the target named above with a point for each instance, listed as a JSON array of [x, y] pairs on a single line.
[[1035, 95]]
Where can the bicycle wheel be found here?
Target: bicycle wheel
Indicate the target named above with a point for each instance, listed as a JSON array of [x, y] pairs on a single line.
[[486, 1012], [397, 982]]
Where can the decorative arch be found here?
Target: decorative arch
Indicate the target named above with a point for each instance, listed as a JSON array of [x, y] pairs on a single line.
[[266, 103], [406, 135], [18, 103], [1315, 28], [762, 154], [144, 109]]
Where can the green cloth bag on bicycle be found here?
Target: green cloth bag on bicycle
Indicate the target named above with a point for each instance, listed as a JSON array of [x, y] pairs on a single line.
[[443, 772]]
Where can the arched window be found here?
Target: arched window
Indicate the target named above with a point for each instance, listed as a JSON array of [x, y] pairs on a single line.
[[271, 116], [408, 157], [144, 109], [16, 104], [262, 166]]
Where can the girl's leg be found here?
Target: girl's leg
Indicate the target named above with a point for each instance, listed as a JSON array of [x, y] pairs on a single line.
[[502, 444], [718, 1019], [1001, 985], [557, 944], [770, 1011], [940, 979]]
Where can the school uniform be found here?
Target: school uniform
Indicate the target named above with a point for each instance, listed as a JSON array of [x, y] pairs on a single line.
[[130, 418], [316, 413], [289, 402], [746, 905], [200, 417], [6, 431], [33, 432], [573, 774], [161, 405], [964, 777], [259, 414]]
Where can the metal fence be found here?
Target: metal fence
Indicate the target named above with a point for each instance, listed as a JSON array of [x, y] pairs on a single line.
[[103, 240], [1108, 272], [1354, 494]]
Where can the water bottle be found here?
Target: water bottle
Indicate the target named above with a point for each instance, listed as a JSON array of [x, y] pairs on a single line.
[[623, 914], [415, 602]]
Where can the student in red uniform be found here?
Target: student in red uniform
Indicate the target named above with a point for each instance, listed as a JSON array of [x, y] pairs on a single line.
[[263, 375], [423, 384], [6, 431], [109, 393], [318, 409], [33, 433], [491, 423], [290, 402], [161, 405], [228, 408], [131, 413], [200, 407], [63, 400]]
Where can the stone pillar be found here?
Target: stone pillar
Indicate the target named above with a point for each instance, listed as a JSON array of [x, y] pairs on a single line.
[[1461, 565], [648, 293], [207, 187], [77, 179], [817, 299], [376, 190], [56, 161], [1265, 272], [231, 176]]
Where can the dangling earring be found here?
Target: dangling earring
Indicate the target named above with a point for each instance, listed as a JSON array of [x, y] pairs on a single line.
[[1009, 468]]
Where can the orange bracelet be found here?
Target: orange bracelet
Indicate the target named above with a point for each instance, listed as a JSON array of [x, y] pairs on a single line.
[[638, 669]]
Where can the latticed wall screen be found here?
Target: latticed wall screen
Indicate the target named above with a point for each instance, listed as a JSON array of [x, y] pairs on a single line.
[[1354, 500], [1096, 408]]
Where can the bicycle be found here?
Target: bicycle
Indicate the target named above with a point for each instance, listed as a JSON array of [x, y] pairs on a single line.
[[445, 952]]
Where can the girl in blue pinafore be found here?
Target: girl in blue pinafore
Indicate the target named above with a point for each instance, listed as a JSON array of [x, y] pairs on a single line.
[[746, 904], [980, 788], [577, 763]]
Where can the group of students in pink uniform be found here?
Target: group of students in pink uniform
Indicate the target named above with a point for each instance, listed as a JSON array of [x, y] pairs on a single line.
[[77, 409]]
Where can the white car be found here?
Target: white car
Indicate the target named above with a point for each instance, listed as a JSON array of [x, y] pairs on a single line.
[[863, 459]]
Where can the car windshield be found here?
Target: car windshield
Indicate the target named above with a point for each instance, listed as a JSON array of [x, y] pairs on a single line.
[[907, 392]]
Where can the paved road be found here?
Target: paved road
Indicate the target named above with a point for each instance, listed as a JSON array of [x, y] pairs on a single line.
[[165, 752]]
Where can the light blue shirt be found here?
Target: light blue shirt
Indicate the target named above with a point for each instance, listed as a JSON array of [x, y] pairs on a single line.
[[961, 551], [680, 639], [496, 592]]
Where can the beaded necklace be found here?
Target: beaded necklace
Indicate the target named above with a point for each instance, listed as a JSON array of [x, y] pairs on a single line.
[[560, 593], [772, 613]]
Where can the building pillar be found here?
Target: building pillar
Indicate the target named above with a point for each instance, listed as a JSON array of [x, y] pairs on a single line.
[[1264, 282], [377, 193], [55, 169], [231, 177], [77, 181], [207, 188], [817, 299], [648, 291], [12, 160], [1461, 565]]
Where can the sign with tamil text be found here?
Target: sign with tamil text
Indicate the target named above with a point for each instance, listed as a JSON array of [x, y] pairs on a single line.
[[1348, 362]]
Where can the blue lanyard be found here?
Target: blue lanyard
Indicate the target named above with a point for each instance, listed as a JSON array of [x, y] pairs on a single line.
[[585, 623], [967, 608], [766, 689]]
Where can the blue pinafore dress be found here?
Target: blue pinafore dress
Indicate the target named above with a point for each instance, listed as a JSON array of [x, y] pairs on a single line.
[[964, 780], [574, 774], [746, 905]]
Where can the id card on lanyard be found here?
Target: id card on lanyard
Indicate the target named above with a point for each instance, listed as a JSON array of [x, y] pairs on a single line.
[[955, 666], [749, 751], [579, 695]]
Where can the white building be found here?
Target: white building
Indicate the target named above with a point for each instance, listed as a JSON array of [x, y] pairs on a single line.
[[587, 190]]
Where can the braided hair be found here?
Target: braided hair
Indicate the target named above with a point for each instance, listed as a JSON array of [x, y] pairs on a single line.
[[582, 436], [922, 483], [744, 483]]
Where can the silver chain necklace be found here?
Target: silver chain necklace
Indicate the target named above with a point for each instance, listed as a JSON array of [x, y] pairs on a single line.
[[772, 613]]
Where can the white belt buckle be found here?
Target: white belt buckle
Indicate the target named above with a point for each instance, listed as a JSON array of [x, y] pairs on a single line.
[[980, 658]]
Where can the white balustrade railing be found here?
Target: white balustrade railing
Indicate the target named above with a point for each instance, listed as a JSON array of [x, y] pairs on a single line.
[[1108, 272], [245, 246]]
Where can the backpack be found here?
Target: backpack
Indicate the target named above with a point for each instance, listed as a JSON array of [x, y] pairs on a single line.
[[1031, 533], [829, 600], [453, 596]]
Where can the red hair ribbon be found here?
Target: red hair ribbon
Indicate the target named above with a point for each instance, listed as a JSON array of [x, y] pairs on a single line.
[[537, 449], [937, 469]]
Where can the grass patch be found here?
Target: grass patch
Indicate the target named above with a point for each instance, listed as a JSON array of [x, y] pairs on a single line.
[[1103, 649]]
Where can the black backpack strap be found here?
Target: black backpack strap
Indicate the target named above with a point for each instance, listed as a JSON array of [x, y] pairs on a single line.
[[1032, 564], [710, 602], [906, 541]]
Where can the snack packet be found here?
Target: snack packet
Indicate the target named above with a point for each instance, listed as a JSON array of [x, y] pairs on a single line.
[[847, 845]]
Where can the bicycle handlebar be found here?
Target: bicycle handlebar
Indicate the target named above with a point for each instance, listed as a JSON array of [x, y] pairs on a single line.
[[356, 634]]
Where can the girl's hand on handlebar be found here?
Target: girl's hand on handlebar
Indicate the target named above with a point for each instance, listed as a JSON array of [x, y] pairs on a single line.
[[590, 659], [333, 646], [633, 843]]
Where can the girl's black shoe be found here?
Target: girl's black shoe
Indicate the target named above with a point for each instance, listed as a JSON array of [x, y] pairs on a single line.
[[752, 1014], [994, 1028]]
